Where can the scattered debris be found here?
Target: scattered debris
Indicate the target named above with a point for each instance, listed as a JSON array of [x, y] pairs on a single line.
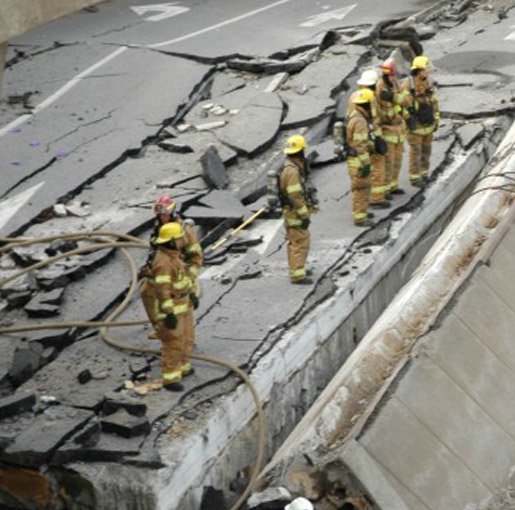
[[213, 169]]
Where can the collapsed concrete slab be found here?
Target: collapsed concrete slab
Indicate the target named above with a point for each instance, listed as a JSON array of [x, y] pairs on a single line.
[[36, 444], [306, 108], [255, 126], [414, 419]]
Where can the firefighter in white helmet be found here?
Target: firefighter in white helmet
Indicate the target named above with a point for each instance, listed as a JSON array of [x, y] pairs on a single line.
[[300, 504], [378, 189]]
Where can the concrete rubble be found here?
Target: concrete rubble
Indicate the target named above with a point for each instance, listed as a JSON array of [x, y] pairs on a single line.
[[191, 445]]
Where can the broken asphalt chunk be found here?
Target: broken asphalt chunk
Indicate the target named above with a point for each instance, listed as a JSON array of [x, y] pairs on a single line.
[[113, 404], [61, 246], [109, 448], [90, 434], [84, 376], [174, 146], [26, 256], [256, 126], [124, 424], [37, 309], [36, 444], [15, 404], [51, 337], [26, 361], [213, 169], [18, 299], [224, 200]]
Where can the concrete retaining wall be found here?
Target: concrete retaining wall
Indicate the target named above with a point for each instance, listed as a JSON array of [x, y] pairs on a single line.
[[291, 375], [431, 426], [20, 16]]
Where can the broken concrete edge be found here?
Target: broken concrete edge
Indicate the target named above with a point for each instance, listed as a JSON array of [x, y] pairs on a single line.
[[255, 187], [295, 348], [423, 14], [468, 240]]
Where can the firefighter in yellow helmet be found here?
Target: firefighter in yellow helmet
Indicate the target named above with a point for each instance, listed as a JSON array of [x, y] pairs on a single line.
[[392, 103], [378, 189], [296, 212], [165, 210], [360, 144], [423, 119], [172, 302]]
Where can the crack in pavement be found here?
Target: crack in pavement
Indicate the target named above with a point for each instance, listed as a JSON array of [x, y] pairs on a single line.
[[22, 56], [29, 176], [121, 29], [100, 119]]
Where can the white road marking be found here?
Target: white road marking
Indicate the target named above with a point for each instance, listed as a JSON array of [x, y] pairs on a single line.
[[10, 206], [220, 25], [57, 94], [324, 17], [168, 10], [510, 37], [74, 81]]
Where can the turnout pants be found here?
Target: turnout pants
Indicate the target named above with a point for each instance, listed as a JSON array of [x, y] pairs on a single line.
[[298, 249], [394, 136], [148, 297], [420, 155], [360, 187], [378, 180], [173, 347]]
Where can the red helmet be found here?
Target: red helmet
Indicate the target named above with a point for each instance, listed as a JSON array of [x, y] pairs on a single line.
[[388, 66], [164, 205]]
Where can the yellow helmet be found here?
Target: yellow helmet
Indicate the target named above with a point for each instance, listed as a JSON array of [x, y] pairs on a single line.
[[362, 96], [295, 144], [420, 62], [169, 231]]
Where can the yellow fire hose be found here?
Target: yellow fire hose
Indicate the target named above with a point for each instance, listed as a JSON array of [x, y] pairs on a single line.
[[128, 241]]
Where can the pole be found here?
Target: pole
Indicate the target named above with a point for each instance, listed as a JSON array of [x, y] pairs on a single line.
[[222, 241]]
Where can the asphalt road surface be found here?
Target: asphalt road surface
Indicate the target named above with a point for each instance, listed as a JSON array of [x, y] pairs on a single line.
[[82, 93]]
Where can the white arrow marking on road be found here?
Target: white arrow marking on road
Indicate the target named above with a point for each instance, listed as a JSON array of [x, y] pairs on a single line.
[[77, 79], [10, 206], [167, 10], [324, 17], [510, 37]]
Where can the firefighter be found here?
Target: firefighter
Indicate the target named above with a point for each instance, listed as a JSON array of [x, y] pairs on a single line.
[[423, 120], [360, 144], [172, 301], [165, 210], [392, 103], [378, 183], [296, 212]]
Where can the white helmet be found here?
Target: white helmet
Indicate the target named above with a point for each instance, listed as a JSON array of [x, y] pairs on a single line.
[[368, 78], [299, 504]]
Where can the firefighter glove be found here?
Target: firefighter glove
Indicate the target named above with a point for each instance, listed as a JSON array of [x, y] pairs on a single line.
[[364, 171], [386, 95], [170, 321], [144, 272], [380, 146], [411, 123], [194, 301], [305, 223]]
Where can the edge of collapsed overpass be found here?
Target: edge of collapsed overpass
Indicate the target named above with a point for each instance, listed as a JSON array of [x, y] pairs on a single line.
[[291, 373], [420, 415], [299, 365]]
